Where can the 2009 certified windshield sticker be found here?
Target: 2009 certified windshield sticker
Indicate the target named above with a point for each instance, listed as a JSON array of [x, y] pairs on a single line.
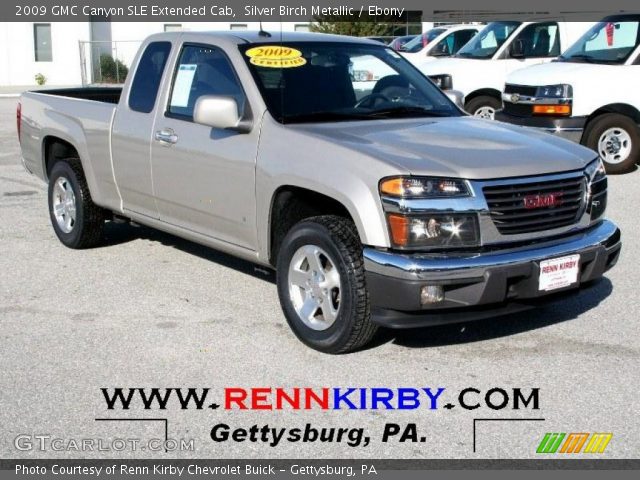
[[275, 56]]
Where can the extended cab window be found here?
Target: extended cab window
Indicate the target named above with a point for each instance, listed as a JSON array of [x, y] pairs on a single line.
[[540, 40], [144, 88], [202, 70]]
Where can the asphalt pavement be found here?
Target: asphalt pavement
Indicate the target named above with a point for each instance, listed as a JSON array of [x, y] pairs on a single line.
[[151, 310]]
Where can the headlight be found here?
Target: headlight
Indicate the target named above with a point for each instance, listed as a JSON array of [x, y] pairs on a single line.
[[555, 91], [595, 171], [424, 187], [597, 189], [434, 230]]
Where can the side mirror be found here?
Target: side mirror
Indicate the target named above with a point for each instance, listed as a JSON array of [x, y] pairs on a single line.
[[443, 81], [516, 50], [219, 112], [440, 50], [456, 97]]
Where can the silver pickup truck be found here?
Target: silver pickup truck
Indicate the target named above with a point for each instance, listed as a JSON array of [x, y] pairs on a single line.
[[374, 197]]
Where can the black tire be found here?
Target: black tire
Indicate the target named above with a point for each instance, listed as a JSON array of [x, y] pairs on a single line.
[[473, 105], [338, 237], [87, 230], [608, 121]]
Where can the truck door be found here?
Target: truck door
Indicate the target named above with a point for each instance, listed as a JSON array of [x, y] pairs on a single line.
[[540, 43], [132, 131], [204, 178]]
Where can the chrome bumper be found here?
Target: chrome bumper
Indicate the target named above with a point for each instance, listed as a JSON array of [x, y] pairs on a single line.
[[429, 267], [395, 279]]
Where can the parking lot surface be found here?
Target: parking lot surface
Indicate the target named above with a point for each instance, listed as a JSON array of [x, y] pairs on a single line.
[[151, 310]]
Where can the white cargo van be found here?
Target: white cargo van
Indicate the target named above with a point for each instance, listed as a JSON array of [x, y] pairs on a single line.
[[590, 95], [438, 43], [480, 68]]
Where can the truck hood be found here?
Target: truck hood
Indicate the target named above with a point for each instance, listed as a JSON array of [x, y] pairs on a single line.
[[462, 147], [561, 72], [419, 58]]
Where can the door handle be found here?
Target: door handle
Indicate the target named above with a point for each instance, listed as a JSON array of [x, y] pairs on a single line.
[[166, 136]]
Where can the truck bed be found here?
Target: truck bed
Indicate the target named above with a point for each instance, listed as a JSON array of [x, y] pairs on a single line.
[[97, 94], [80, 116]]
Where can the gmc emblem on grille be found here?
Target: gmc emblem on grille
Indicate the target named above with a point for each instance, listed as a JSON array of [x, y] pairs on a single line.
[[543, 200]]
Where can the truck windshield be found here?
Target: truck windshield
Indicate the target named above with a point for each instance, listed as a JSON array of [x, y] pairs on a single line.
[[606, 42], [421, 41], [331, 81], [489, 40]]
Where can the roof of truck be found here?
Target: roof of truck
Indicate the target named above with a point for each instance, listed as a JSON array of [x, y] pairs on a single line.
[[248, 36]]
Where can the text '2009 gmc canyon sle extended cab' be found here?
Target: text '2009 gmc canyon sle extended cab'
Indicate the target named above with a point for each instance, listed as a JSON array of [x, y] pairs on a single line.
[[380, 205]]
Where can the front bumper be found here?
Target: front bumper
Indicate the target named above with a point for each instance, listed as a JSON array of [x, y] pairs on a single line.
[[478, 285], [570, 128]]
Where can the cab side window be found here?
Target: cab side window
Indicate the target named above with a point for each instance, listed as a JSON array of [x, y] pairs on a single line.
[[540, 40], [144, 89], [459, 39], [202, 70]]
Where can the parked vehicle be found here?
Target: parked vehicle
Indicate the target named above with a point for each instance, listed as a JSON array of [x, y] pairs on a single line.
[[480, 68], [390, 209], [399, 42], [439, 42], [590, 95]]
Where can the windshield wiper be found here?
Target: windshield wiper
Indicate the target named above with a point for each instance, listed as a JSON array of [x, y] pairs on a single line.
[[590, 59], [324, 117], [471, 55], [405, 111], [581, 56]]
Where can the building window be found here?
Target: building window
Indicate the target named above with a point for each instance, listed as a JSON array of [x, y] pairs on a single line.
[[42, 42], [172, 27], [301, 27], [238, 26]]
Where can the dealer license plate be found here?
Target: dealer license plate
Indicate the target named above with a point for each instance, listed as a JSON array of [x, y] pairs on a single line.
[[559, 272]]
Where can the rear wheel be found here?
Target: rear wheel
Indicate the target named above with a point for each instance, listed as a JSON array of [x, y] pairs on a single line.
[[616, 138], [321, 285], [76, 220], [483, 106]]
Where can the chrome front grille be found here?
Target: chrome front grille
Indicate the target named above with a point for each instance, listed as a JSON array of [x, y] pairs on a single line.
[[536, 206]]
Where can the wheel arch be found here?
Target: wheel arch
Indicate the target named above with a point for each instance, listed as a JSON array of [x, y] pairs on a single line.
[[55, 149], [619, 108], [489, 92], [291, 204]]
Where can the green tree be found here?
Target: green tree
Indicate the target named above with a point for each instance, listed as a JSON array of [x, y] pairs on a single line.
[[112, 71], [344, 25]]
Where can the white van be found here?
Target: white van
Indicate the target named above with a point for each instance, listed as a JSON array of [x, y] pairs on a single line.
[[480, 68], [439, 42], [590, 95]]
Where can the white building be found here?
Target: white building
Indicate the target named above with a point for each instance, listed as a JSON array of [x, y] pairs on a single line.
[[68, 53]]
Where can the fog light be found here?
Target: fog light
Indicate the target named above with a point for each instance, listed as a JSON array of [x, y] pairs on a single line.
[[430, 294]]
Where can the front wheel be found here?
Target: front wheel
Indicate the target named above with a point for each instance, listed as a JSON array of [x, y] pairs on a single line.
[[483, 106], [617, 139], [321, 285]]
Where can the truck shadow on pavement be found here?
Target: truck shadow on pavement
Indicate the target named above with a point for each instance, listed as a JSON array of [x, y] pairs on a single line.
[[119, 233], [563, 309]]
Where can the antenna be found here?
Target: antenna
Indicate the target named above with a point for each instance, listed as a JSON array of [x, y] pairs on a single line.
[[262, 32]]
